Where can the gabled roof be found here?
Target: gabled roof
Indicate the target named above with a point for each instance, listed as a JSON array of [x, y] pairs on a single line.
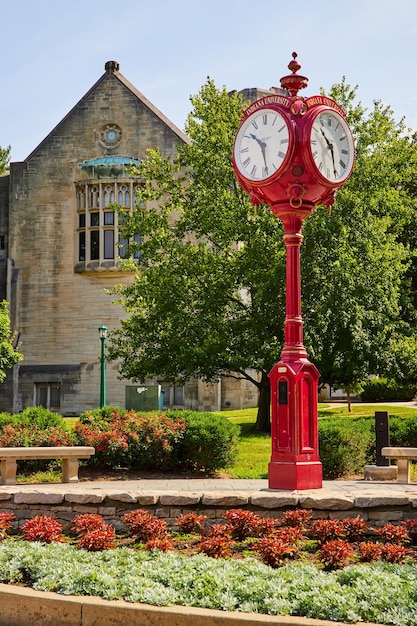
[[112, 67]]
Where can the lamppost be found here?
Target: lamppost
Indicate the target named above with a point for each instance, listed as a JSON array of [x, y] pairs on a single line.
[[102, 331], [293, 153]]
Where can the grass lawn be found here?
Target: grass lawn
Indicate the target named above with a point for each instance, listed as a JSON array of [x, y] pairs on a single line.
[[254, 449]]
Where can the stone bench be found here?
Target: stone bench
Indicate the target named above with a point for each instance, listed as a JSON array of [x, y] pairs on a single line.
[[69, 455], [403, 456]]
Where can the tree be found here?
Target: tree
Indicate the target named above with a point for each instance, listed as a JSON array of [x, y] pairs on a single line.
[[208, 296], [4, 159], [9, 356], [353, 325]]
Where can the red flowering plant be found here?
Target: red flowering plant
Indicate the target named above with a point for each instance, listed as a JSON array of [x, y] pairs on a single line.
[[369, 551], [353, 528], [42, 528], [297, 517], [145, 526], [130, 439], [160, 543], [15, 436], [243, 523], [335, 554], [217, 546], [87, 522], [326, 530], [191, 523], [395, 553], [97, 539], [6, 520], [275, 550], [411, 527], [391, 533]]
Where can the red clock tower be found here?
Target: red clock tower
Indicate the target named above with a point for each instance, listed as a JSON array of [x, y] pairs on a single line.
[[293, 154]]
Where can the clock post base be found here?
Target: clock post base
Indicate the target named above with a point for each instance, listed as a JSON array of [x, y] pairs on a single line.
[[295, 475]]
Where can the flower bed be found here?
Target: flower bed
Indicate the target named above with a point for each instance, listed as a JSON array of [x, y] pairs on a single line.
[[330, 569]]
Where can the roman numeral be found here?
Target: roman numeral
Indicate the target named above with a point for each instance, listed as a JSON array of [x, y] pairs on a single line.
[[321, 166], [255, 125], [342, 164], [264, 172], [315, 153], [244, 150], [282, 128], [284, 140], [253, 171], [345, 152], [342, 138], [265, 118], [246, 162], [281, 154]]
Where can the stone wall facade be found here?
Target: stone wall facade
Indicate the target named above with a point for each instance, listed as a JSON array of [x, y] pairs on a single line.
[[57, 298]]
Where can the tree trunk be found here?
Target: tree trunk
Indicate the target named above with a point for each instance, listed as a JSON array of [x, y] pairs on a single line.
[[263, 419], [349, 401]]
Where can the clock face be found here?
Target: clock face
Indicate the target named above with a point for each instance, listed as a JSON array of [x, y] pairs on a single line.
[[261, 145], [332, 147]]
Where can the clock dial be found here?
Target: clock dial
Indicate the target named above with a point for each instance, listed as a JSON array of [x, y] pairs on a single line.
[[261, 144], [332, 146]]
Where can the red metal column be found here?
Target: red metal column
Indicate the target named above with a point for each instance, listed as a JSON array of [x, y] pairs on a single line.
[[295, 462]]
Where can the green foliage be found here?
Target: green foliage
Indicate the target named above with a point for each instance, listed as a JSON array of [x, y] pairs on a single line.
[[4, 159], [209, 442], [354, 594], [33, 416], [387, 390], [9, 356], [169, 440], [346, 446]]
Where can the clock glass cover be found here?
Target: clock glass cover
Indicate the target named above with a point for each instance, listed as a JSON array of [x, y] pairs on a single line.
[[332, 146], [261, 144]]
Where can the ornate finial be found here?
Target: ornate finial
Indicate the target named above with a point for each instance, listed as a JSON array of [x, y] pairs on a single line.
[[293, 82]]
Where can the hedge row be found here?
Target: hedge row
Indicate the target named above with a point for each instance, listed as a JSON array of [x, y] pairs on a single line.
[[348, 444], [181, 440]]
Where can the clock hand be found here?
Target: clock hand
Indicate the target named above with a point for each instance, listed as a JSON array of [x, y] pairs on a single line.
[[262, 145], [331, 148]]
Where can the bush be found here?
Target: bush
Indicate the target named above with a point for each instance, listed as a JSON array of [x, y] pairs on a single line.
[[18, 436], [386, 390], [209, 442], [103, 538], [130, 439], [346, 446], [42, 528], [33, 416]]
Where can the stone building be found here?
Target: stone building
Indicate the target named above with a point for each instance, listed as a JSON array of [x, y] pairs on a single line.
[[59, 250]]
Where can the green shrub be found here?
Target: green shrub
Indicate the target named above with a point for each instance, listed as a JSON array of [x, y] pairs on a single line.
[[36, 416], [384, 390], [403, 431], [346, 446], [209, 442]]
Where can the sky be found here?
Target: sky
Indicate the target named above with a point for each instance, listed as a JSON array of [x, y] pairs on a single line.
[[55, 50]]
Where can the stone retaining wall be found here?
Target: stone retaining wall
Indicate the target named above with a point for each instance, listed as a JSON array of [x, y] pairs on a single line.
[[64, 505], [26, 607]]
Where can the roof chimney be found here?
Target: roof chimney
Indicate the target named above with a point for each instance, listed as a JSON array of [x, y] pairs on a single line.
[[111, 67]]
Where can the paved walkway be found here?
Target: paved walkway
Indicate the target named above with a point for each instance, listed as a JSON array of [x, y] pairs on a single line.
[[336, 488]]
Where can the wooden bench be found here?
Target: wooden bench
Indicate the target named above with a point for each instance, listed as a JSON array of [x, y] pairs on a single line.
[[69, 455], [403, 457]]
